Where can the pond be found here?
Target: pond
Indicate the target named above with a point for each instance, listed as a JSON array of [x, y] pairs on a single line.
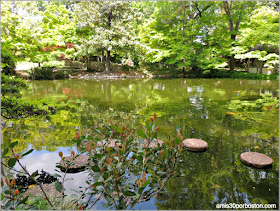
[[208, 109]]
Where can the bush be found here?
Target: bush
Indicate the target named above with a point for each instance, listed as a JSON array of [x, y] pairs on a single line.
[[12, 107], [47, 73], [95, 67], [41, 73], [61, 74], [126, 67], [239, 74], [125, 173]]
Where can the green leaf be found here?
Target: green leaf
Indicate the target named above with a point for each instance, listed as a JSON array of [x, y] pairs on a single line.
[[28, 152], [119, 129], [5, 151], [89, 137], [98, 155], [79, 142], [97, 183], [13, 144], [119, 165], [34, 174], [8, 205], [56, 175], [177, 141], [57, 186], [12, 162], [149, 125], [23, 201], [141, 133], [129, 193], [165, 153], [95, 168], [161, 173]]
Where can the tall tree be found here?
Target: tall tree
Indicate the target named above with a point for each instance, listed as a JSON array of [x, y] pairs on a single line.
[[110, 23], [235, 12]]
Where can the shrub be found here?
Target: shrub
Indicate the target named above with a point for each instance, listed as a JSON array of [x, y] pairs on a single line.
[[240, 74], [124, 174], [126, 67], [95, 67], [61, 74], [47, 73], [41, 73]]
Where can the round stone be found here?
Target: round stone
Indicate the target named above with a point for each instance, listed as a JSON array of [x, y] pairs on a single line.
[[153, 144], [195, 145], [78, 163], [35, 191], [256, 159], [109, 143]]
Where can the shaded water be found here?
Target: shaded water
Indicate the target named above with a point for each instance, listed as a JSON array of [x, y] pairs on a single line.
[[199, 106]]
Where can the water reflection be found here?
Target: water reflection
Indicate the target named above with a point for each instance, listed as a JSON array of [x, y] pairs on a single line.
[[199, 106]]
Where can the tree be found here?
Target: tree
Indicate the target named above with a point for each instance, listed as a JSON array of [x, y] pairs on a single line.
[[176, 33], [235, 13], [110, 23]]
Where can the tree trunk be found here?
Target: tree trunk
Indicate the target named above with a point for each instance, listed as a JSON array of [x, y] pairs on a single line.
[[107, 65], [87, 61], [12, 67], [102, 55], [39, 64], [232, 61], [248, 64], [261, 66], [183, 35]]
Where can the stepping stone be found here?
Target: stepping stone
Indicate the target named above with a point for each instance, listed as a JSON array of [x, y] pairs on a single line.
[[35, 191], [77, 166], [153, 144], [256, 159], [109, 143], [196, 145]]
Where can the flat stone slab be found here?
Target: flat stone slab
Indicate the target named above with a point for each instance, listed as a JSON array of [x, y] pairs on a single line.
[[196, 145], [109, 143], [256, 159], [153, 144], [77, 166], [36, 191]]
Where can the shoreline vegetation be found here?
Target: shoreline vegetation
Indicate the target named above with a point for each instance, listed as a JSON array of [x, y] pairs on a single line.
[[54, 74]]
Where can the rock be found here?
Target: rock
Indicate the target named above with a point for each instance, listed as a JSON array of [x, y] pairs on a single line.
[[77, 166], [153, 144], [36, 191], [109, 143], [256, 159], [195, 145]]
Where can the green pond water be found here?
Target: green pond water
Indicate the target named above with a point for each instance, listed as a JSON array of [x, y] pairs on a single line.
[[207, 109]]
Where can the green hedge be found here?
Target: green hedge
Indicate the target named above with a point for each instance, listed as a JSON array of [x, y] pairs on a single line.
[[46, 73], [238, 74]]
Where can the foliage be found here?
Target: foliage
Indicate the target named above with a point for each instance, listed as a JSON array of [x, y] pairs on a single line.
[[125, 174], [12, 107], [266, 102], [47, 73], [191, 36], [240, 74], [110, 24]]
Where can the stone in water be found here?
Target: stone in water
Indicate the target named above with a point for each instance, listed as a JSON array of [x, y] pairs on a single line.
[[196, 145], [256, 159]]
